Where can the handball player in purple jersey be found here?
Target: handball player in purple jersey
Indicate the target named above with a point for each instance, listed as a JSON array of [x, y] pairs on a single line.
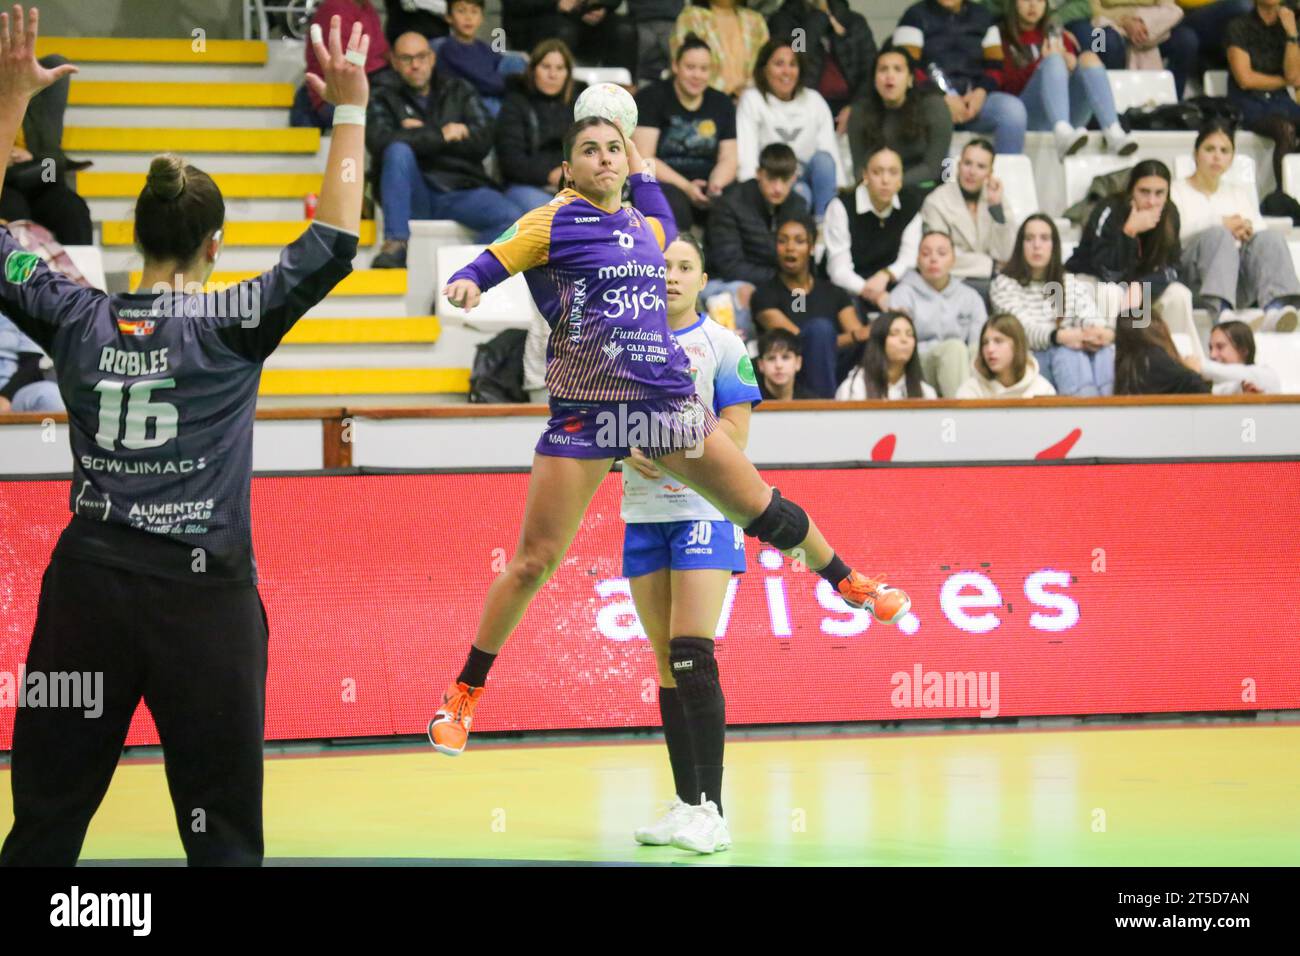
[[618, 380]]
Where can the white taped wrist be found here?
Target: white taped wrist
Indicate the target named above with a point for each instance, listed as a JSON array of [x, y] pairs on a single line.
[[349, 114]]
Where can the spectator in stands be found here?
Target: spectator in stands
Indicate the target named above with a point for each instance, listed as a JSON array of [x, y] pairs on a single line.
[[946, 313], [690, 130], [426, 17], [537, 111], [734, 35], [1263, 60], [1130, 245], [838, 50], [1003, 366], [890, 367], [427, 140], [308, 108], [1073, 344], [1147, 362], [589, 28], [464, 56], [1209, 20], [778, 109], [874, 232], [1231, 366], [914, 123], [36, 190], [1229, 258], [655, 21], [814, 309], [27, 382], [972, 209], [1076, 15], [958, 43], [742, 228], [1061, 87], [780, 358], [1151, 31]]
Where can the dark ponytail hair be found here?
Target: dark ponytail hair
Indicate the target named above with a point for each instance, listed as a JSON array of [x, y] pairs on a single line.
[[178, 209]]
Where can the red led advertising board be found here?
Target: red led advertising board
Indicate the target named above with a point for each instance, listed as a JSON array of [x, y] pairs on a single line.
[[1036, 590]]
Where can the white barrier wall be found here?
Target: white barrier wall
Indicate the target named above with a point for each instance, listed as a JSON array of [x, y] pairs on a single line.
[[923, 432]]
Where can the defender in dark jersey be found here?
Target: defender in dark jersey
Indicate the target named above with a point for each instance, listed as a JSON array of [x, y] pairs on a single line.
[[153, 583]]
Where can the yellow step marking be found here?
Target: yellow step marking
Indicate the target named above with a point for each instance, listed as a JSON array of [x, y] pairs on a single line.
[[125, 93], [146, 139], [364, 381], [233, 185], [120, 232], [416, 329], [121, 50], [360, 282]]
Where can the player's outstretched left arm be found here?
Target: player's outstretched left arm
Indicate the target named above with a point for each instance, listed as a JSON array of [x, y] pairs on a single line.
[[343, 82]]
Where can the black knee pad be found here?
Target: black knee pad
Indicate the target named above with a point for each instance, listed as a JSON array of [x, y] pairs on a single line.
[[695, 670], [783, 524]]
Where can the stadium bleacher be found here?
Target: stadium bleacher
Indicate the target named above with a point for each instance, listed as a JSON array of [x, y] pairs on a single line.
[[225, 109]]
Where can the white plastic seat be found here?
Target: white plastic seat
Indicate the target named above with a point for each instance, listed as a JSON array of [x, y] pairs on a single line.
[[1141, 88], [508, 305], [592, 75], [1215, 83], [90, 261], [1291, 174], [1080, 171], [1017, 175], [1280, 351]]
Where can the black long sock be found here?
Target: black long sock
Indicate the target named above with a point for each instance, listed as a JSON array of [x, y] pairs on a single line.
[[475, 671], [678, 737], [835, 571], [706, 712]]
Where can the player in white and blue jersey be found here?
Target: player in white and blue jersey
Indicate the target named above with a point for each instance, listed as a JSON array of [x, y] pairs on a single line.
[[679, 553]]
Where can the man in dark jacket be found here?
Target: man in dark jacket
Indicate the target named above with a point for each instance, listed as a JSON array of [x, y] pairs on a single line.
[[838, 48], [589, 28], [655, 20], [741, 234], [427, 140]]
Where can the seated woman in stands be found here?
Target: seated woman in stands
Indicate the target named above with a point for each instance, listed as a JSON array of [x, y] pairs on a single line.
[[891, 367], [1004, 367], [1231, 367], [1074, 345], [1229, 258], [1130, 245], [914, 123], [1061, 84], [1263, 60], [535, 115], [1147, 362]]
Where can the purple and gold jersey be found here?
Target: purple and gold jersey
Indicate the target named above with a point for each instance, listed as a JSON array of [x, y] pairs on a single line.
[[598, 277]]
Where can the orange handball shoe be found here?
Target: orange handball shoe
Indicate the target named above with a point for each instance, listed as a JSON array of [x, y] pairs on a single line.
[[449, 729], [886, 604]]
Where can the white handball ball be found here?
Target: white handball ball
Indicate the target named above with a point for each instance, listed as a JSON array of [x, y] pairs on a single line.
[[608, 101]]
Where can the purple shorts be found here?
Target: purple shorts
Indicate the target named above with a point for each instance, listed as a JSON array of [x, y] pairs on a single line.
[[612, 429]]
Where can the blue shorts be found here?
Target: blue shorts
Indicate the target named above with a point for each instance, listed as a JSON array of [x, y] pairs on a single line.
[[612, 429], [682, 546]]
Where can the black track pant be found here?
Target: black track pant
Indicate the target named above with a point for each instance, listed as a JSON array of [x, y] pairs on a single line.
[[197, 655]]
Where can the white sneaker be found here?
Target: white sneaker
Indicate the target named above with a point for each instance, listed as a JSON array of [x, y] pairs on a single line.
[[1121, 143], [1282, 319], [660, 833], [705, 832], [1069, 140]]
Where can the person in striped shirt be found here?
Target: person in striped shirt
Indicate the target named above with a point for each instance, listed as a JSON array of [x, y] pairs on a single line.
[[617, 379]]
